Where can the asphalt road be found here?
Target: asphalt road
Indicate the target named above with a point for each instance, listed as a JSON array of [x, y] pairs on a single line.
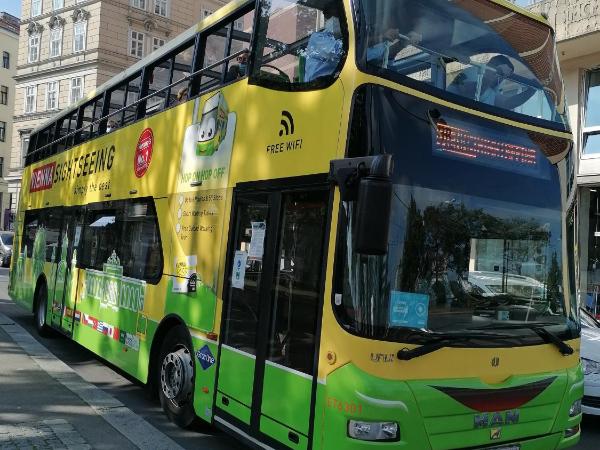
[[132, 394]]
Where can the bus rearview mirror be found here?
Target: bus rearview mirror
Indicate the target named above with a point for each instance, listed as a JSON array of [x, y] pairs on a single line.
[[374, 206]]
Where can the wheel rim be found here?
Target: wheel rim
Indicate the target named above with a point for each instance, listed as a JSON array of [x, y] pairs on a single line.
[[176, 375]]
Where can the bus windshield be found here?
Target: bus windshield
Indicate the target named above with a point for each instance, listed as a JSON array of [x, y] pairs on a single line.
[[471, 49], [475, 231]]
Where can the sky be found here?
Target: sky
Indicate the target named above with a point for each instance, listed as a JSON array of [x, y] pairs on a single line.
[[11, 6]]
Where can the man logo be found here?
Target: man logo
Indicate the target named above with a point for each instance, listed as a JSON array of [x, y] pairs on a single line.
[[495, 433], [287, 124], [495, 361]]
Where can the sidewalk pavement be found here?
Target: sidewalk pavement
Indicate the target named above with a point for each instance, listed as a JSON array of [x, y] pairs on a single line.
[[44, 404]]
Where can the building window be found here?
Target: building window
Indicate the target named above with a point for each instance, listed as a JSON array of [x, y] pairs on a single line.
[[58, 4], [591, 116], [2, 132], [1, 167], [6, 60], [34, 48], [79, 30], [55, 42], [52, 95], [30, 98], [3, 95], [136, 44], [160, 7], [36, 7], [76, 90], [157, 43], [141, 4]]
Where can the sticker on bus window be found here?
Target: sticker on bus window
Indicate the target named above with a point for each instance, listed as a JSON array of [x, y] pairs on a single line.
[[408, 310], [257, 241], [238, 274]]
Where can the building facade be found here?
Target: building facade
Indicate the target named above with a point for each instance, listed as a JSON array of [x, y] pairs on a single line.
[[69, 47], [577, 27], [9, 45]]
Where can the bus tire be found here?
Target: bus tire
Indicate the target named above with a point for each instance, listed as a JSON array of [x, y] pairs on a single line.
[[176, 377], [40, 309]]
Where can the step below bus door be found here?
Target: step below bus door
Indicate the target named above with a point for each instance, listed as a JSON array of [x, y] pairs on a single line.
[[267, 363], [65, 272]]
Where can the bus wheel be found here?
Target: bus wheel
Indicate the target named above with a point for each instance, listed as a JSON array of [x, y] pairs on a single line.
[[41, 303], [176, 391]]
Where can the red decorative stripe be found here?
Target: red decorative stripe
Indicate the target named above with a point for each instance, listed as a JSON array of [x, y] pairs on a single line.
[[486, 400]]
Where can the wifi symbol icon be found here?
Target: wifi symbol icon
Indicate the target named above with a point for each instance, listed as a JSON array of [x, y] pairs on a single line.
[[287, 123]]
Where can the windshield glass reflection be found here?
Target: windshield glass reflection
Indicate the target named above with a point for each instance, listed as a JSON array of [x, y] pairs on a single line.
[[475, 231]]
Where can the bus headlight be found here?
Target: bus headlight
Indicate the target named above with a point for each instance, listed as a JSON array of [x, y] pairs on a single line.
[[373, 431], [575, 408], [590, 367]]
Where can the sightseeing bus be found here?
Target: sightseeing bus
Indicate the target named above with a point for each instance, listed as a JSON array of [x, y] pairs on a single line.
[[322, 224]]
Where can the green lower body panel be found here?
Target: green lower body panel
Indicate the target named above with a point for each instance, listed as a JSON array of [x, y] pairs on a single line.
[[236, 375], [449, 414], [205, 360], [281, 433]]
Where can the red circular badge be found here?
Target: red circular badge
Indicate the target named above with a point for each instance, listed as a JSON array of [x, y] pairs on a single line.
[[143, 152]]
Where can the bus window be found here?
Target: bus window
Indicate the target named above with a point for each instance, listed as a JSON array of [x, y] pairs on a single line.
[[30, 228], [133, 94], [72, 126], [182, 68], [51, 219], [86, 122], [62, 130], [42, 140], [116, 99], [215, 50], [98, 107], [240, 40], [160, 78], [301, 45], [129, 230], [296, 288]]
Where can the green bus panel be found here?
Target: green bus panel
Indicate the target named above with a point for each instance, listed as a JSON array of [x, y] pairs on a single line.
[[286, 397], [282, 434], [438, 421], [233, 407], [205, 377], [236, 377]]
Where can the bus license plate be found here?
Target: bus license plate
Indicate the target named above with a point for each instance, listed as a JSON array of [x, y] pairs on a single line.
[[505, 447]]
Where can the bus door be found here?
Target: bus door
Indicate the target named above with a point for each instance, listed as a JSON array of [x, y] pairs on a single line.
[[267, 364], [63, 310]]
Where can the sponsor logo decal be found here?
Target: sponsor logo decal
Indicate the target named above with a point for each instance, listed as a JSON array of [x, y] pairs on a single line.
[[143, 152], [41, 178], [495, 433], [205, 357]]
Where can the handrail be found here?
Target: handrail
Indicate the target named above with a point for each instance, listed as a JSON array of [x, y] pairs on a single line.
[[114, 113]]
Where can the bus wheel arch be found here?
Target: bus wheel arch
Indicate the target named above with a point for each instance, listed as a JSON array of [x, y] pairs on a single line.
[[40, 305], [172, 372]]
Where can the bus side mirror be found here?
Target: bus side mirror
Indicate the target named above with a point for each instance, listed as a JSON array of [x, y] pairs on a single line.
[[374, 208]]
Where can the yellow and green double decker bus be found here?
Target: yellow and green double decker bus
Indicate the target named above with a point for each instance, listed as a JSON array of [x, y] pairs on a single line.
[[322, 224]]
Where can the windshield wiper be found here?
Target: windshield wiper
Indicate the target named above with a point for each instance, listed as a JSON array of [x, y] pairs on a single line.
[[538, 328], [445, 341]]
